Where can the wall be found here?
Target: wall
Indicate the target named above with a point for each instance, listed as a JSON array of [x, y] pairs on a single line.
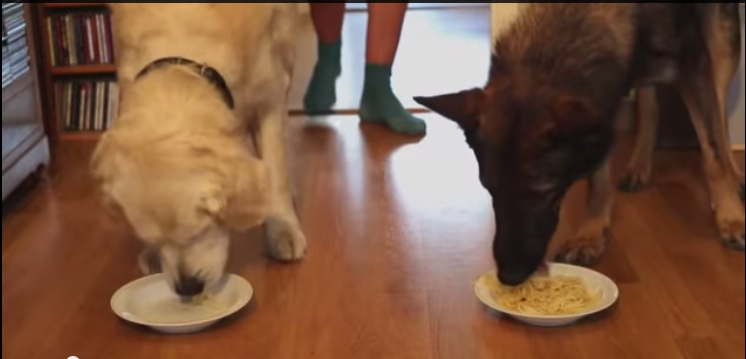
[[736, 111], [503, 15]]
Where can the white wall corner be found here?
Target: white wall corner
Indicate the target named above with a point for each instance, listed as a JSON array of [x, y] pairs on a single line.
[[503, 15], [736, 106]]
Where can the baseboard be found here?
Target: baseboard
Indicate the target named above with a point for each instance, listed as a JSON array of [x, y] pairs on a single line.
[[739, 148], [37, 156]]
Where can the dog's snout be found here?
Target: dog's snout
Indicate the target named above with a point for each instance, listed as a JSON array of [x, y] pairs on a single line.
[[514, 277], [189, 286]]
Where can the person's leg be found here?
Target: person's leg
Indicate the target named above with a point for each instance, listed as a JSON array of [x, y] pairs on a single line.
[[321, 94], [379, 104]]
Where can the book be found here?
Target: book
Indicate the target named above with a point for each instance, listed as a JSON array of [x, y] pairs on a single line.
[[80, 39], [87, 106]]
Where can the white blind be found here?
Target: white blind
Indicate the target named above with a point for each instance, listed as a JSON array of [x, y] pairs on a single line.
[[15, 47]]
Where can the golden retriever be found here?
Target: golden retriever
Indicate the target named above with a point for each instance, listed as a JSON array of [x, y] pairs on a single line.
[[198, 82]]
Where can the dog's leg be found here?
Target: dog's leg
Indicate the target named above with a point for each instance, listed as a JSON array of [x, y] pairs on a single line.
[[723, 36], [640, 166], [700, 96], [287, 242], [590, 243], [149, 261]]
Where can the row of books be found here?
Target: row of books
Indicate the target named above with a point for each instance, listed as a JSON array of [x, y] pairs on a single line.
[[80, 39], [87, 106], [15, 47]]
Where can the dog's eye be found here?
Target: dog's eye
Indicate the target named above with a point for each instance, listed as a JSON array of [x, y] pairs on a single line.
[[551, 140], [593, 140]]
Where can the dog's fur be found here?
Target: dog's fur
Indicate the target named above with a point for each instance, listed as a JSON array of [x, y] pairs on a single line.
[[546, 116], [178, 162]]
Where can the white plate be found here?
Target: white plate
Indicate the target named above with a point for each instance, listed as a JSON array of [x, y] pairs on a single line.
[[149, 301], [596, 281]]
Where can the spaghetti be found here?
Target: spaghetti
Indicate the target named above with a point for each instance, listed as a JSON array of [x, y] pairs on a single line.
[[208, 302], [546, 295]]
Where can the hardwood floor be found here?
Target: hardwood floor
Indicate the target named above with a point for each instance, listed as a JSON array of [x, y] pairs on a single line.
[[398, 232]]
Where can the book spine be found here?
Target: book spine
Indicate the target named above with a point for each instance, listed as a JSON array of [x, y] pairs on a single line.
[[62, 39], [91, 37], [77, 39], [77, 102], [52, 45], [99, 21]]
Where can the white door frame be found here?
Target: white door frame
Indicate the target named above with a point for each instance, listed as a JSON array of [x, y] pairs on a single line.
[[503, 15], [738, 111]]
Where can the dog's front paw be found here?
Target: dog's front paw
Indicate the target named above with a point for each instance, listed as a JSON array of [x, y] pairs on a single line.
[[732, 226], [287, 242], [588, 246], [635, 180], [150, 262]]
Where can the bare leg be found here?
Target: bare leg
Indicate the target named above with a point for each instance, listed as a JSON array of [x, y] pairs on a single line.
[[640, 166], [385, 22], [379, 103], [327, 20], [587, 247], [321, 93]]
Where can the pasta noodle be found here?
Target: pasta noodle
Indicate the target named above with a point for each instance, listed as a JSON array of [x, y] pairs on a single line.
[[207, 302], [546, 295]]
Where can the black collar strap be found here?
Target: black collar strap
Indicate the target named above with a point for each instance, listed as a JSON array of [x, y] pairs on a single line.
[[207, 72]]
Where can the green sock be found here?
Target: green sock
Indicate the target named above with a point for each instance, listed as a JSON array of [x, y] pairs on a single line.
[[321, 92], [380, 105]]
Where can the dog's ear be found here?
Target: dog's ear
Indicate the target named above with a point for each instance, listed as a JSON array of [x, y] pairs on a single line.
[[103, 167], [244, 201], [104, 155], [461, 107]]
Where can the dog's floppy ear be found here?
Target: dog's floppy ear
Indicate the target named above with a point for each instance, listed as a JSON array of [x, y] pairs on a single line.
[[461, 107], [103, 166], [244, 201], [101, 162]]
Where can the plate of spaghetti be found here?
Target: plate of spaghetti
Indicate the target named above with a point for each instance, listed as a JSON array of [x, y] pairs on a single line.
[[561, 297]]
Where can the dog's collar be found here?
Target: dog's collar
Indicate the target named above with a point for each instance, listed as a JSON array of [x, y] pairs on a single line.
[[207, 72]]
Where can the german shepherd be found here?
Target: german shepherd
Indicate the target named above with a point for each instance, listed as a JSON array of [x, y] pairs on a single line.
[[546, 117]]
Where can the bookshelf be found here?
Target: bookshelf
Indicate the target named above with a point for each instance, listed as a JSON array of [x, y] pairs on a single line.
[[77, 69]]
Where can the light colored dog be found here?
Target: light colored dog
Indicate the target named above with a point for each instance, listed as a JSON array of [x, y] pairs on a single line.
[[198, 82]]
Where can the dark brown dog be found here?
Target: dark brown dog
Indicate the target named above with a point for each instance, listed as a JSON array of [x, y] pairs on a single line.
[[546, 117]]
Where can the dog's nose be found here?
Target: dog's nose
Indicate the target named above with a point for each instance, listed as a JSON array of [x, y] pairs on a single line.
[[189, 286], [513, 277]]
